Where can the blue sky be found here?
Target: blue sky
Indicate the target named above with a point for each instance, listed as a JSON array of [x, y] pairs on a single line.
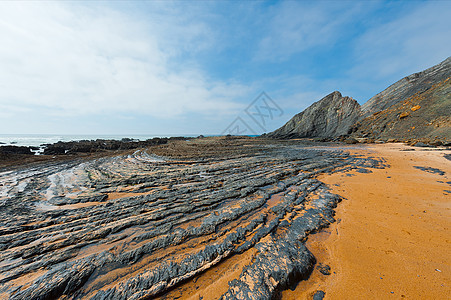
[[193, 67]]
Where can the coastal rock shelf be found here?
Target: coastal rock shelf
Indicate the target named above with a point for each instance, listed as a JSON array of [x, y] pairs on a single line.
[[143, 224]]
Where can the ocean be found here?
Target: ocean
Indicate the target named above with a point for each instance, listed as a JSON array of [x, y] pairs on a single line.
[[37, 140]]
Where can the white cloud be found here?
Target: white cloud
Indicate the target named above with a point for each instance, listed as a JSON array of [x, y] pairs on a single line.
[[74, 60]]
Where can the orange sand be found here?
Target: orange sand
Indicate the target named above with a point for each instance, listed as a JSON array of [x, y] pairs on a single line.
[[392, 240]]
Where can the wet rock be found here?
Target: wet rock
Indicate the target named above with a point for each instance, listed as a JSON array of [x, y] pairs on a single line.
[[324, 269], [430, 170], [319, 295], [136, 225]]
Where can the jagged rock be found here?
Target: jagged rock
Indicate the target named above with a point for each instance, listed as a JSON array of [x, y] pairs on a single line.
[[332, 116], [417, 106]]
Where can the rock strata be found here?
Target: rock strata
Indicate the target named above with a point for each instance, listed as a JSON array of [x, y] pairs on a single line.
[[332, 116], [407, 87], [142, 224], [424, 117], [416, 108]]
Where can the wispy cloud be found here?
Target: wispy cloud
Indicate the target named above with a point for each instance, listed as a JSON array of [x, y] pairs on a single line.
[[74, 59]]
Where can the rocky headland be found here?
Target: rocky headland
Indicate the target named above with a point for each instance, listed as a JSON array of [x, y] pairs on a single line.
[[416, 109]]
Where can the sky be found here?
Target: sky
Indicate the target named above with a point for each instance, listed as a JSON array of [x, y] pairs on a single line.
[[202, 67]]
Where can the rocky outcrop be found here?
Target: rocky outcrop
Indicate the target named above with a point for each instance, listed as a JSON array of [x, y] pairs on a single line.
[[424, 116], [332, 116], [407, 87], [137, 225], [15, 150], [89, 146], [417, 107]]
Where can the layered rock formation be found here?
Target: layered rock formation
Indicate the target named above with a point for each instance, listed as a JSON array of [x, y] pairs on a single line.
[[329, 117], [138, 226], [424, 116], [407, 87], [416, 107]]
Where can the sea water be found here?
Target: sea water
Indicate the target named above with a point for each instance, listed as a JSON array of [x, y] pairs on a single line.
[[38, 140]]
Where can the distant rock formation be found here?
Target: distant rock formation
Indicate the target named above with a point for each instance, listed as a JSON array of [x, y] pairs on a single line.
[[86, 146], [329, 117], [417, 107], [15, 150]]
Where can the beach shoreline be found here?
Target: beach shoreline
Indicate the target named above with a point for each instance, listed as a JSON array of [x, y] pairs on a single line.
[[391, 238]]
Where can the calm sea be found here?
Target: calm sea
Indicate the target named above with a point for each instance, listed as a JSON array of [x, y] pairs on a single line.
[[37, 140]]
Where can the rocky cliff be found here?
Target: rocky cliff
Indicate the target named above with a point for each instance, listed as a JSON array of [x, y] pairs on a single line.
[[424, 116], [331, 116], [416, 107], [407, 87]]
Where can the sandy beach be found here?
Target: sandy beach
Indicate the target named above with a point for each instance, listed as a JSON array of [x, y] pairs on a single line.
[[392, 237]]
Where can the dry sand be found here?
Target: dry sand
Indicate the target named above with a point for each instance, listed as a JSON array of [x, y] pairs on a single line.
[[392, 239]]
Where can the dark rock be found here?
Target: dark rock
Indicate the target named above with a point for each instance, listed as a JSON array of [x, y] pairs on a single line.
[[331, 116], [99, 145], [324, 269], [421, 144], [319, 295], [132, 226], [430, 170], [15, 150], [362, 170]]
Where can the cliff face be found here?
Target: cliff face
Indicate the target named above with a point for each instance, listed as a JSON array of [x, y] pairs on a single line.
[[332, 116], [416, 107], [423, 116], [407, 87]]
